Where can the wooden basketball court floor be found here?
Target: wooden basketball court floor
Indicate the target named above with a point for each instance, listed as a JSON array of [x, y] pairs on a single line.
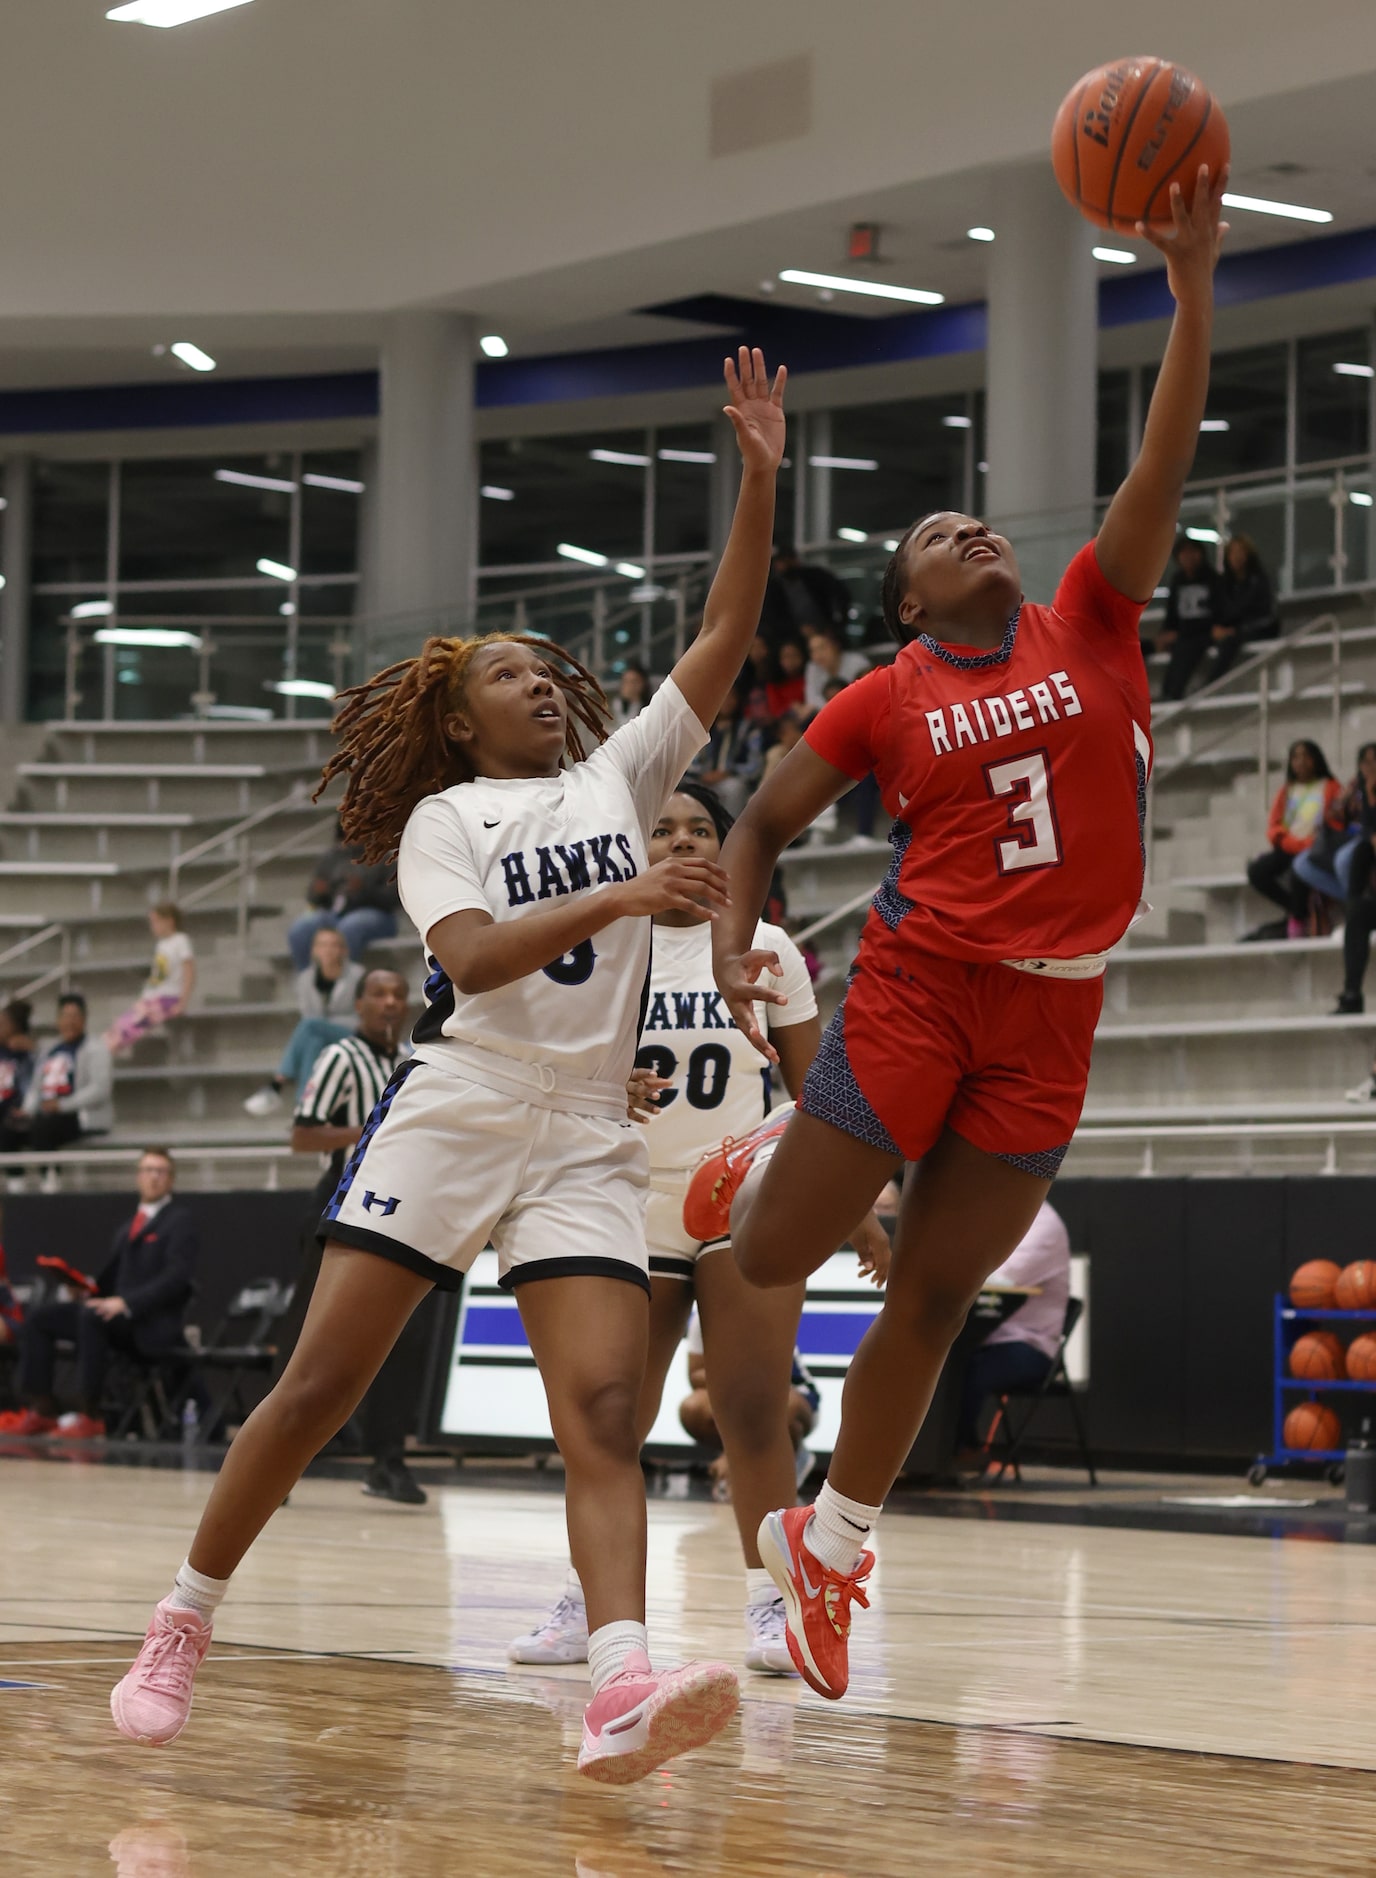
[[1027, 1698]]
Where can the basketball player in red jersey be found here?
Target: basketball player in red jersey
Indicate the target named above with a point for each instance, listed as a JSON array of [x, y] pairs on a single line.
[[1011, 745]]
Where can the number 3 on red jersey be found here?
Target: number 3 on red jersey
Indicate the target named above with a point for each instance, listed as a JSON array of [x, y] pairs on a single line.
[[1036, 838]]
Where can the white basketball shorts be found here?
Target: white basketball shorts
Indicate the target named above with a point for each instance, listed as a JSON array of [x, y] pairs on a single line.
[[446, 1166], [673, 1252]]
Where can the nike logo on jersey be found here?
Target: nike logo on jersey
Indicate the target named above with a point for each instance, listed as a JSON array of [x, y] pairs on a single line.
[[985, 720], [496, 824], [547, 872]]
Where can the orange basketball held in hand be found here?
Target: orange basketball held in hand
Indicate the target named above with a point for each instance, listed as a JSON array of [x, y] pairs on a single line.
[[1318, 1357], [1311, 1288], [1361, 1358], [1126, 132], [1311, 1425], [1356, 1287]]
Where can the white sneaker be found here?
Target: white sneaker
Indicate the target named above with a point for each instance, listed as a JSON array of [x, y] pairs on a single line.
[[264, 1101], [766, 1639], [561, 1638], [1364, 1091]]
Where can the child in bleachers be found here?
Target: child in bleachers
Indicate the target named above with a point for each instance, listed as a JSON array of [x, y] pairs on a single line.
[[168, 987]]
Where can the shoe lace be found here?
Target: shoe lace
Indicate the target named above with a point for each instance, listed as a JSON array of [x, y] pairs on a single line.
[[839, 1590], [568, 1614], [170, 1660], [767, 1620]]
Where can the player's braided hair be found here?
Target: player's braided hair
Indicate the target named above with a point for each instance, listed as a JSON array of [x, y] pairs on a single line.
[[891, 592], [392, 742]]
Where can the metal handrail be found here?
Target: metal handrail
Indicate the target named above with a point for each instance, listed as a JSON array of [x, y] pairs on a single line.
[[179, 861], [34, 939], [835, 916]]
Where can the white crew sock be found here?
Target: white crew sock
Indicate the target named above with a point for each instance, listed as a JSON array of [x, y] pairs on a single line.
[[193, 1591], [760, 1588], [609, 1647], [750, 1186], [838, 1529], [573, 1586]]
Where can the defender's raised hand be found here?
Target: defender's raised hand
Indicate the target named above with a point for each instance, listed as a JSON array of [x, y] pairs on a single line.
[[756, 409]]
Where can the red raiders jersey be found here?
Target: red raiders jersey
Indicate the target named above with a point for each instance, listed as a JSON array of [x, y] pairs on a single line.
[[1016, 779]]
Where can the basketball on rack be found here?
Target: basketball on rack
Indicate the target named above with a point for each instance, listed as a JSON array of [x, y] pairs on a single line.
[[1126, 131], [1361, 1358], [1312, 1425], [1311, 1288], [1356, 1286], [1318, 1357]]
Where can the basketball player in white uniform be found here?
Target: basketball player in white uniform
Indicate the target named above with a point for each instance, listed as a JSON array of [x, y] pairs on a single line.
[[523, 862], [699, 1079]]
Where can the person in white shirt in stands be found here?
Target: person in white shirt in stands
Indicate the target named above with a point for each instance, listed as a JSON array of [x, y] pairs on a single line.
[[521, 839], [168, 988], [828, 659], [698, 1078], [1020, 1352]]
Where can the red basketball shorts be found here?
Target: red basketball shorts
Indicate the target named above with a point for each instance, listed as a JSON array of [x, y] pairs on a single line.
[[999, 1056]]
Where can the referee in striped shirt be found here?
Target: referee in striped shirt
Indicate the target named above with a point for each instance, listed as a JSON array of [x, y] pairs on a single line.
[[344, 1087]]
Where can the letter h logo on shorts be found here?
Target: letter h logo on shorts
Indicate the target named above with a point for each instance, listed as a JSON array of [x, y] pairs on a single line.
[[385, 1207]]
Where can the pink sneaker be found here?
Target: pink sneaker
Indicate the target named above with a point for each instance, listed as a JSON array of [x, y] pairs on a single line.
[[153, 1701], [641, 1718]]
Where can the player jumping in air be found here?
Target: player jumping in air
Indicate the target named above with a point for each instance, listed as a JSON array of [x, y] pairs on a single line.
[[1011, 747], [523, 862]]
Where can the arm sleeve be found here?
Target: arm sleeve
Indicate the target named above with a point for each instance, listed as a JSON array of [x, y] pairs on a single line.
[[436, 871], [327, 1089], [94, 1079], [1086, 600], [794, 981], [847, 732], [173, 1283], [1275, 821], [652, 751]]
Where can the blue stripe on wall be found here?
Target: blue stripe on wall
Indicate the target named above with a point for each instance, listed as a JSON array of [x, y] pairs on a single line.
[[832, 1333], [493, 1324], [810, 341]]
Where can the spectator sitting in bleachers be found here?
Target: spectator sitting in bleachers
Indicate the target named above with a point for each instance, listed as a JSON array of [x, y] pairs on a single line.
[[325, 994], [787, 732], [1246, 608], [69, 1094], [168, 987], [827, 662], [633, 693], [697, 1419], [1327, 866], [1308, 800], [139, 1305], [752, 682], [1192, 606], [732, 759], [16, 1057], [359, 901], [801, 595], [786, 686]]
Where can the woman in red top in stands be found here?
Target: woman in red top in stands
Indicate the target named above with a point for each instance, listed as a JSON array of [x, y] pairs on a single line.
[[1010, 743]]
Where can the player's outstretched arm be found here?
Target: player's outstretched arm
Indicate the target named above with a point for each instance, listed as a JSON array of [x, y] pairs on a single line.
[[1139, 530], [791, 800], [731, 617]]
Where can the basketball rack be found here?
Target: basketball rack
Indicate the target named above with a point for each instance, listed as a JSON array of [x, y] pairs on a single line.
[[1290, 1320]]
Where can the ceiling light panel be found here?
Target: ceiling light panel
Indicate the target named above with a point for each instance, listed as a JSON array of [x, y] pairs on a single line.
[[169, 12], [192, 355], [1289, 211], [877, 289], [243, 480]]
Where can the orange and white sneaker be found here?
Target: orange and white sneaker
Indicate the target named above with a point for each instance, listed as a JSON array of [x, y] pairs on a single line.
[[715, 1184], [151, 1704], [642, 1718], [816, 1598]]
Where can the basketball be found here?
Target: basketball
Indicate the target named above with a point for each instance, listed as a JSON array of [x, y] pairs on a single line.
[[1311, 1425], [1361, 1358], [1356, 1286], [1311, 1288], [1126, 131], [1318, 1357]]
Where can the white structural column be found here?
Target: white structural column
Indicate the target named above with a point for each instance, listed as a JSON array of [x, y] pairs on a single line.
[[1042, 368], [424, 513], [16, 524]]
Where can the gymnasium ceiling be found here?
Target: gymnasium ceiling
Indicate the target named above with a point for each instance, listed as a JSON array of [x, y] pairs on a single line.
[[271, 181]]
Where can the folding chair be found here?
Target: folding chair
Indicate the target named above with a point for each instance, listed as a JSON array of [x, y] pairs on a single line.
[[238, 1349], [149, 1388], [1055, 1386]]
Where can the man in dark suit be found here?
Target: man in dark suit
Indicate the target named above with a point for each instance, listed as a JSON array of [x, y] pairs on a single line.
[[139, 1304]]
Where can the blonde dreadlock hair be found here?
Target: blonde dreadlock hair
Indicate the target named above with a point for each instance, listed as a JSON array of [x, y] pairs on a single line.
[[392, 742]]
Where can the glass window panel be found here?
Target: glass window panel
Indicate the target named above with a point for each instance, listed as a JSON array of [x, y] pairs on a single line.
[[330, 514], [1334, 406], [1259, 513], [1314, 542], [683, 488], [1111, 436], [48, 661], [154, 681], [178, 522], [1247, 393], [71, 509], [560, 492], [920, 458], [187, 605]]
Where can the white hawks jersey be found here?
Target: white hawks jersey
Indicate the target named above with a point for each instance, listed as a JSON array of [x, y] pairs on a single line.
[[513, 846], [720, 1082]]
